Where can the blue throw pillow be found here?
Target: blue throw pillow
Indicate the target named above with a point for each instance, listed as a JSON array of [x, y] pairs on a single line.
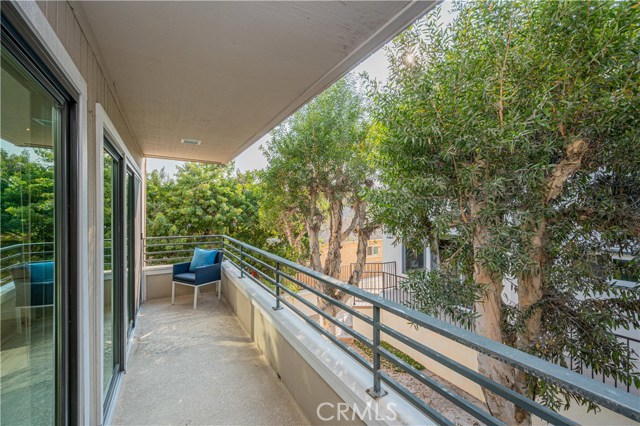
[[202, 258]]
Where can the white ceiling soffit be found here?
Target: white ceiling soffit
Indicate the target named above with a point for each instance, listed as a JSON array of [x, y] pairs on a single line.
[[226, 73]]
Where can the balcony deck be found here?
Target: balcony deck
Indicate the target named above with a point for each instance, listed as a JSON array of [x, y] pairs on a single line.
[[199, 367]]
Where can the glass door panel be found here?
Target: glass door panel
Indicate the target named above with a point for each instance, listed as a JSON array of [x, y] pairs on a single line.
[[111, 273], [30, 137]]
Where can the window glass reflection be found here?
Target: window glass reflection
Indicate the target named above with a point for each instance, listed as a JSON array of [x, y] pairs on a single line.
[[29, 132]]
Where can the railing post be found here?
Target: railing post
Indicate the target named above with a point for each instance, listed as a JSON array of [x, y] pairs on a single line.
[[376, 391], [241, 261], [277, 307]]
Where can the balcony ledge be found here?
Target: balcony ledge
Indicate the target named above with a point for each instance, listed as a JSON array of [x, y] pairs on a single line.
[[348, 379]]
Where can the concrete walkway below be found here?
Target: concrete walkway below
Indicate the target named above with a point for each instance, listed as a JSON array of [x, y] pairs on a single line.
[[199, 367]]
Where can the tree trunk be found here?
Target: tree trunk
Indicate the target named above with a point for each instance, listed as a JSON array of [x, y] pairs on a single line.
[[531, 281], [530, 291], [334, 257], [489, 324], [364, 233], [313, 222]]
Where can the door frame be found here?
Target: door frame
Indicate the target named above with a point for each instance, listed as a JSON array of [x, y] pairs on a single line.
[[106, 130]]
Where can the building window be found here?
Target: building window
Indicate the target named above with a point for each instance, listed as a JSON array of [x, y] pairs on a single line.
[[413, 259], [373, 250]]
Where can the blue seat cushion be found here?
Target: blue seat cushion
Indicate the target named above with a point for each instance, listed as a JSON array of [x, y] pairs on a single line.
[[202, 258], [187, 277]]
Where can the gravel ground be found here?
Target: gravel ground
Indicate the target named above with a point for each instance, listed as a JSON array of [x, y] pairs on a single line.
[[433, 399]]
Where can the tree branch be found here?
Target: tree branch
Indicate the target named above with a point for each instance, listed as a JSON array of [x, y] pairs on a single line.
[[565, 169]]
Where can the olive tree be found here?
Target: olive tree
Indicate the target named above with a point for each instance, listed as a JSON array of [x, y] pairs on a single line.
[[512, 132], [319, 165]]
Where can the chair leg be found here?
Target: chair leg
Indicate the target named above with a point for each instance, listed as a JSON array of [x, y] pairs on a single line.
[[219, 288], [195, 297], [28, 324], [173, 292], [19, 320]]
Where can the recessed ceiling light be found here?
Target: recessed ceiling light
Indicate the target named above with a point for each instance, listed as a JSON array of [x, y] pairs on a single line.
[[190, 141]]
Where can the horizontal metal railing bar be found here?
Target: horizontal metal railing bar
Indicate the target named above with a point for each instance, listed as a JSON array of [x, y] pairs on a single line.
[[330, 299], [266, 265], [167, 259], [190, 243], [16, 246], [260, 283], [328, 335], [632, 339], [229, 254], [168, 251], [509, 394], [356, 335], [262, 274], [173, 237], [415, 401], [447, 393]]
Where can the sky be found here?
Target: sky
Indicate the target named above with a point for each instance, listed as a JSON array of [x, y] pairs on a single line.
[[375, 65]]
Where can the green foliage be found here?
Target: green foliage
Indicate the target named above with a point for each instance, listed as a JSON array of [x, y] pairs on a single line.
[[205, 199], [26, 191], [317, 157], [443, 293], [520, 118]]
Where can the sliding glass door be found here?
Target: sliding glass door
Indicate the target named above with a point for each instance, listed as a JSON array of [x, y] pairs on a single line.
[[34, 238], [112, 273], [121, 188]]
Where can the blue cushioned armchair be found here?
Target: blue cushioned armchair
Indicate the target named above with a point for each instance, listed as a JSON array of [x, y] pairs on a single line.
[[202, 275]]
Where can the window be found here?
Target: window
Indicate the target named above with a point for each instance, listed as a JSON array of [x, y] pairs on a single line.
[[34, 236], [413, 259], [373, 250]]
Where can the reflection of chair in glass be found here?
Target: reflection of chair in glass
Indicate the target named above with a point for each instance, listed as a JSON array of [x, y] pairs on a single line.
[[204, 269], [34, 288]]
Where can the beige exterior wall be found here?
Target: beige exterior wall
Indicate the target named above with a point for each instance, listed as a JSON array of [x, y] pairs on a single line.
[[349, 251]]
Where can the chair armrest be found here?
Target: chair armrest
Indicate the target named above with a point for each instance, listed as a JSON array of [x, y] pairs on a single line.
[[181, 268], [207, 274]]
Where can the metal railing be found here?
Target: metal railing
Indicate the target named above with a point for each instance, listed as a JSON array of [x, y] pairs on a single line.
[[174, 249], [632, 345], [22, 253], [33, 252], [277, 275]]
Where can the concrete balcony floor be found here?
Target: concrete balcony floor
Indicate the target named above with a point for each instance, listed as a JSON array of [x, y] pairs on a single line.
[[190, 367]]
